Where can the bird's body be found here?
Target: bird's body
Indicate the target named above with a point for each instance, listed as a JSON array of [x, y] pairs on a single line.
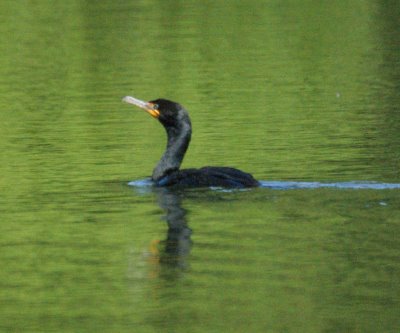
[[176, 122], [208, 177]]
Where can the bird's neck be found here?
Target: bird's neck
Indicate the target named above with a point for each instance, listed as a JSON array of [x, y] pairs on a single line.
[[177, 144]]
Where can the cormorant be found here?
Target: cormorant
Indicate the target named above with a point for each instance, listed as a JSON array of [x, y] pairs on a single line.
[[176, 122]]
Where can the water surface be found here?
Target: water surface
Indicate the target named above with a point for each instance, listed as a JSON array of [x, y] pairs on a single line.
[[303, 96]]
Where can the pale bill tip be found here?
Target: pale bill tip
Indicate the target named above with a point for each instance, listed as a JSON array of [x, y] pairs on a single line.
[[135, 101]]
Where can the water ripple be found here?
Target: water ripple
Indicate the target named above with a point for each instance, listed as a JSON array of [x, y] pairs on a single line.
[[290, 185]]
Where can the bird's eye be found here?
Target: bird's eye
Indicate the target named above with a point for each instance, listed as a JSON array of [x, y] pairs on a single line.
[[155, 106]]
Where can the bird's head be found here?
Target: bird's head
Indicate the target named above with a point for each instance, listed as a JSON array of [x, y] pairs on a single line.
[[169, 113]]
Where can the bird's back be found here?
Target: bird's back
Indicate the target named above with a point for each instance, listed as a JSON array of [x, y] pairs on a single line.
[[209, 176]]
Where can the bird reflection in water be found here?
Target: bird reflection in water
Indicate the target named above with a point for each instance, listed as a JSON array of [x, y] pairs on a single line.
[[173, 251]]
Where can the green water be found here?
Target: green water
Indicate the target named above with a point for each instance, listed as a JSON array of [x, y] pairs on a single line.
[[289, 91]]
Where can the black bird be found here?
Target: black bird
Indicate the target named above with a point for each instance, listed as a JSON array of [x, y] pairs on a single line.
[[176, 122]]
